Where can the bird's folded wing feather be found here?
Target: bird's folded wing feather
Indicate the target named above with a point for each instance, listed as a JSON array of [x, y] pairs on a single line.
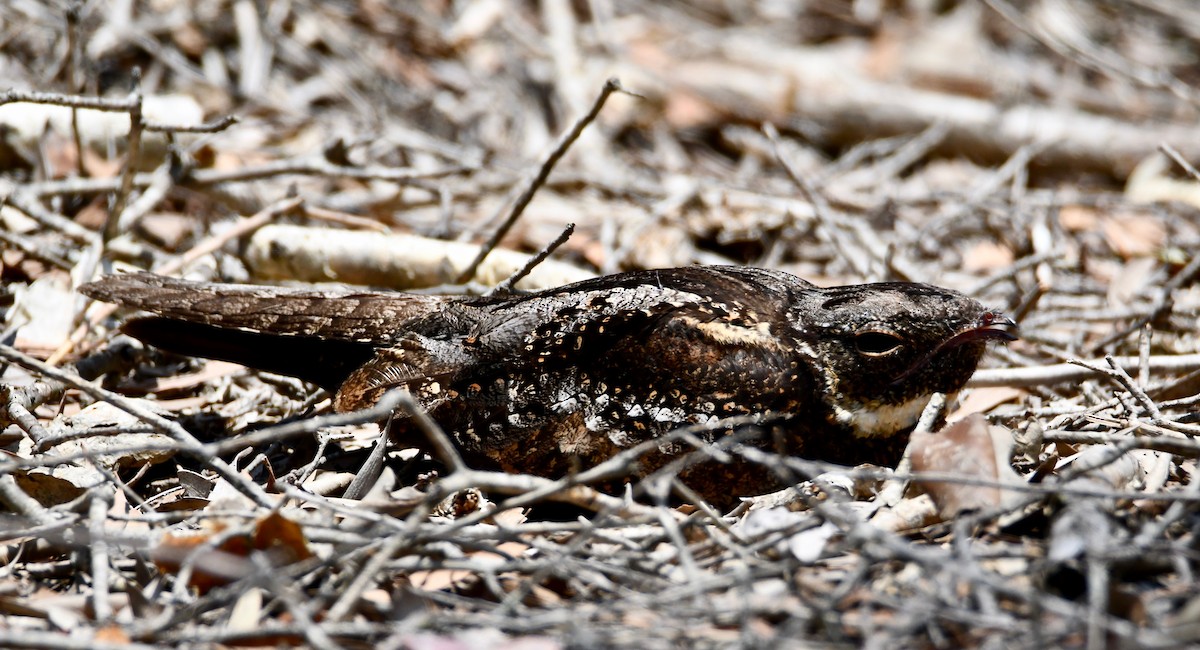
[[370, 317]]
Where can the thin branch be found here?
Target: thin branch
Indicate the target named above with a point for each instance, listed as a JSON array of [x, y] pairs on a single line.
[[1174, 155], [308, 426], [133, 158], [190, 445], [1068, 372], [1163, 303], [610, 86], [211, 126], [123, 105], [443, 448], [821, 209], [202, 178], [28, 204], [507, 285]]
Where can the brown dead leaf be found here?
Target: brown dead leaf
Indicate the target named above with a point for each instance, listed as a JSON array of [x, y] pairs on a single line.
[[64, 611], [55, 483], [111, 634], [189, 39], [179, 502], [987, 256], [642, 619], [282, 539], [98, 166], [1134, 235], [538, 596], [61, 156], [93, 215], [439, 579], [1078, 218], [970, 448], [167, 229], [211, 567], [982, 400], [458, 579], [885, 54], [686, 110], [1134, 277]]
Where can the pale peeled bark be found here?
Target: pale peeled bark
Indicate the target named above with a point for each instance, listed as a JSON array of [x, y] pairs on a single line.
[[398, 261]]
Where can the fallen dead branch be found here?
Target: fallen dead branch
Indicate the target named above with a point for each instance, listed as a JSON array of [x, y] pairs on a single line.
[[394, 260]]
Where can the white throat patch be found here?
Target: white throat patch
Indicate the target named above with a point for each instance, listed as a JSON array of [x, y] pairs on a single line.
[[875, 420]]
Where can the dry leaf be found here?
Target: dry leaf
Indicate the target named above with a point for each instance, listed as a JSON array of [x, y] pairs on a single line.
[[59, 483], [161, 386], [1078, 218], [246, 612], [111, 634], [1135, 276], [972, 449], [1133, 235], [511, 517], [167, 229], [211, 567], [282, 540], [982, 400], [1103, 471], [987, 256], [93, 215], [45, 310], [61, 156], [446, 579]]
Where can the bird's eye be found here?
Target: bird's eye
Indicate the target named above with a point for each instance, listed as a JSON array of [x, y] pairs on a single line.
[[876, 344]]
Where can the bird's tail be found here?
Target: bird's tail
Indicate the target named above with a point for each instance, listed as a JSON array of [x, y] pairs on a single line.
[[318, 336]]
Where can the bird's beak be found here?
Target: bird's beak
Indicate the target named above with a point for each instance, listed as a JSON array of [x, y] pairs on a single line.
[[991, 325]]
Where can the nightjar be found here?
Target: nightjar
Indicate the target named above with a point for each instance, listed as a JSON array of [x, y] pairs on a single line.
[[556, 380]]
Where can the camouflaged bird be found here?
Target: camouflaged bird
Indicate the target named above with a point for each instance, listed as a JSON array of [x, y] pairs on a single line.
[[552, 381]]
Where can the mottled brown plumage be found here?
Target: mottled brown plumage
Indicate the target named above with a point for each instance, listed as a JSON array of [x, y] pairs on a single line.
[[564, 378]]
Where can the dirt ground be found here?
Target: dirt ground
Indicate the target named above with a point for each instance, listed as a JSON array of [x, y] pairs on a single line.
[[1035, 154]]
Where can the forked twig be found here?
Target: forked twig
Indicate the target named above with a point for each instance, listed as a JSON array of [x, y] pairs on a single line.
[[610, 86]]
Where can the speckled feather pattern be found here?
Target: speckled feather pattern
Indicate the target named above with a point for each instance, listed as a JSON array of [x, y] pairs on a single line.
[[564, 378]]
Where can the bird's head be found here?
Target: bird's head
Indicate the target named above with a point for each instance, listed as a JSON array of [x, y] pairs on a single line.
[[883, 349]]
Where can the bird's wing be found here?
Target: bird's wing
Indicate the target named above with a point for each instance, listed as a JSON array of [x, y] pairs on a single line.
[[713, 305], [646, 327]]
